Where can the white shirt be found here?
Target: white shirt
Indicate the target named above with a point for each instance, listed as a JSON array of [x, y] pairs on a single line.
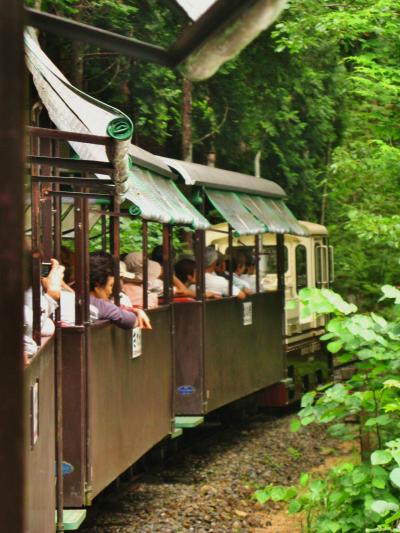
[[219, 285]]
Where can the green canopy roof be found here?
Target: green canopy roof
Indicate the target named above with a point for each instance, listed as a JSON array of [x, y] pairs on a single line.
[[143, 178], [250, 205]]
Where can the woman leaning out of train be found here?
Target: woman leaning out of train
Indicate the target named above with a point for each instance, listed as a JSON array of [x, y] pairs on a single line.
[[49, 297], [101, 289]]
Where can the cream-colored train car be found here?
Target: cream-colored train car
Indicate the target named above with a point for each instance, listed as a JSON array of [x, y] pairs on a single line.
[[308, 263]]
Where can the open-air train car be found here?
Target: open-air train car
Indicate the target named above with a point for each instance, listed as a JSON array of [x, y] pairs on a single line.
[[239, 346], [307, 262], [117, 391]]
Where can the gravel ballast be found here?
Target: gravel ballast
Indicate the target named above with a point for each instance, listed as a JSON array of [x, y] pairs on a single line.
[[207, 488]]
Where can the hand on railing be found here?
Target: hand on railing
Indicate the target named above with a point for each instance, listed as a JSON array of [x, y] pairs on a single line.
[[143, 321]]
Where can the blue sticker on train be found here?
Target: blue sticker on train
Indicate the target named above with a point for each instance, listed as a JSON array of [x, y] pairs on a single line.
[[186, 390]]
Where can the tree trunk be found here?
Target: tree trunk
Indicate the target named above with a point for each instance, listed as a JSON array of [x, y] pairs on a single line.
[[187, 146], [76, 62]]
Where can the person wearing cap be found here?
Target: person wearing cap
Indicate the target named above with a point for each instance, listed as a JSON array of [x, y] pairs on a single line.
[[215, 283], [133, 288]]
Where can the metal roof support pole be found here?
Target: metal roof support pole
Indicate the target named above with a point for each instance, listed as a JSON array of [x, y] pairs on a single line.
[[167, 263], [257, 260], [280, 263], [199, 245], [87, 344], [79, 262], [145, 246], [199, 249], [36, 250], [45, 149], [115, 245], [56, 205], [103, 229], [58, 374], [230, 248], [11, 264]]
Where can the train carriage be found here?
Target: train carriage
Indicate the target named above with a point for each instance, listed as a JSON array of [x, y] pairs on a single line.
[[244, 347], [119, 392]]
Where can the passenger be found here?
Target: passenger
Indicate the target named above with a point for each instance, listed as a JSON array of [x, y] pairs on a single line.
[[220, 268], [217, 284], [250, 274], [133, 288], [125, 303], [101, 288], [185, 270], [49, 298], [238, 269], [179, 288]]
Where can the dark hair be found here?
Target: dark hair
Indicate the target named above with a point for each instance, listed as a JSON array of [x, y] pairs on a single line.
[[157, 254], [237, 262], [184, 268], [250, 260], [101, 268]]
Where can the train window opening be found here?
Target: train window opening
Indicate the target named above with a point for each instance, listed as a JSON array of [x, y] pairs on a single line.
[[319, 375], [321, 265], [318, 265], [269, 263], [301, 267], [290, 371], [305, 382]]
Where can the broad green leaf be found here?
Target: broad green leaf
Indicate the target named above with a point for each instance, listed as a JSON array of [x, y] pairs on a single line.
[[359, 476], [381, 457], [307, 420], [307, 399], [391, 292], [378, 483], [395, 477], [278, 494], [294, 507], [304, 477], [262, 496], [295, 425], [383, 508], [334, 346], [396, 456], [392, 383]]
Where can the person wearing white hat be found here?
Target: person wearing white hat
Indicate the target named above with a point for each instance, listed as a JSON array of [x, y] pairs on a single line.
[[126, 277]]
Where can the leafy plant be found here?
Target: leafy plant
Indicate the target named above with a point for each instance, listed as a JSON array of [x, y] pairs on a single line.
[[354, 496]]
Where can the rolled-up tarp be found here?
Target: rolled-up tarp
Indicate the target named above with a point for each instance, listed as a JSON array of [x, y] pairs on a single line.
[[140, 177]]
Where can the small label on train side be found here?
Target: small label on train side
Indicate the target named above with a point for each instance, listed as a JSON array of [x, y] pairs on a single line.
[[247, 313], [185, 390], [136, 342]]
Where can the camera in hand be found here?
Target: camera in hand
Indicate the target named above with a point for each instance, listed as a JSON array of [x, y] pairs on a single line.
[[46, 267]]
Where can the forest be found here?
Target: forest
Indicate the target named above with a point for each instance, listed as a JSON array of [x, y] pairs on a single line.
[[315, 99], [316, 96]]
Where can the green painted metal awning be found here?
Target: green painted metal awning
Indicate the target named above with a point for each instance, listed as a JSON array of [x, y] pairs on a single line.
[[159, 199], [234, 212], [273, 213], [145, 178], [250, 205]]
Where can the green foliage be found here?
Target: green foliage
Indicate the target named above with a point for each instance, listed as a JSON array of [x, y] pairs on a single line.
[[317, 95], [362, 495]]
